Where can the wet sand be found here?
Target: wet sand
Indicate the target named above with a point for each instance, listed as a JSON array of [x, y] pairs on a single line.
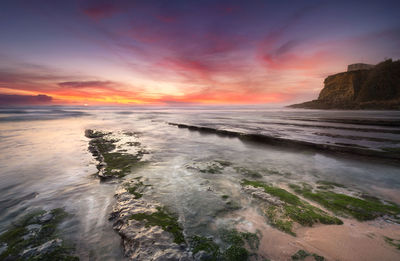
[[351, 241]]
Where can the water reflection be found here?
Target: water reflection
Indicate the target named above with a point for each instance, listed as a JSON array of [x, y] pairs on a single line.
[[45, 164]]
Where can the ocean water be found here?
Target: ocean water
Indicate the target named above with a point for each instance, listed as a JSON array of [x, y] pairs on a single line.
[[44, 161]]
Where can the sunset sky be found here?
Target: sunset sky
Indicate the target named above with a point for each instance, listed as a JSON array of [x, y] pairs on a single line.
[[186, 52]]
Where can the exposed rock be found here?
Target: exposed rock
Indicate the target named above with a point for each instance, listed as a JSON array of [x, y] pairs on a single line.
[[113, 160], [141, 241], [25, 239], [211, 167], [202, 255], [46, 217], [34, 227], [49, 246], [376, 88], [33, 230], [45, 248], [260, 194]]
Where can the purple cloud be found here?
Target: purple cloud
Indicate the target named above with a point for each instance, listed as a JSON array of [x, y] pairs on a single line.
[[14, 99]]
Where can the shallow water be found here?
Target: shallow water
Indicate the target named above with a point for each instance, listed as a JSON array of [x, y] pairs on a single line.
[[45, 163]]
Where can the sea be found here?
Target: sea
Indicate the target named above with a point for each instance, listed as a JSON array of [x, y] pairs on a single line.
[[45, 162]]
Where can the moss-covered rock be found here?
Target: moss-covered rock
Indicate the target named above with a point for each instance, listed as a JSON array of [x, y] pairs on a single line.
[[207, 246], [363, 208], [286, 208], [209, 167], [112, 163], [237, 246], [147, 229], [302, 254], [35, 237], [163, 219]]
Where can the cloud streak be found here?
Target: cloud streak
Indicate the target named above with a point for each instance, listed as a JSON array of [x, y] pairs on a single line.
[[14, 99]]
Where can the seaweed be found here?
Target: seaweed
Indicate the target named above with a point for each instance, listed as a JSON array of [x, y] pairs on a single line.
[[224, 163], [135, 188], [292, 210], [21, 236], [235, 241], [393, 242], [248, 172], [112, 163], [366, 208], [279, 221], [199, 243], [236, 253], [274, 191], [163, 219], [212, 167], [302, 254]]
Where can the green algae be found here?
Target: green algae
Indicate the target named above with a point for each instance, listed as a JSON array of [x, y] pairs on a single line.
[[136, 187], [236, 253], [279, 221], [224, 163], [366, 208], [277, 173], [133, 190], [117, 163], [302, 254], [18, 237], [131, 133], [133, 143], [307, 215], [103, 145], [224, 197], [238, 241], [163, 219], [393, 242], [92, 134], [236, 244], [292, 210], [199, 243], [248, 172], [330, 184], [211, 167], [238, 238], [274, 191]]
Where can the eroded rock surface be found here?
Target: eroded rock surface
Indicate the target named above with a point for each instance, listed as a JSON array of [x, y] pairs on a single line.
[[117, 153], [260, 194], [36, 237], [142, 241]]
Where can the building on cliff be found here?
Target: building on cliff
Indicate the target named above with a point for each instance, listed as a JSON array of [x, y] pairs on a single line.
[[359, 66]]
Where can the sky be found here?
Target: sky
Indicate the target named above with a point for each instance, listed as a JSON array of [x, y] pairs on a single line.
[[186, 52]]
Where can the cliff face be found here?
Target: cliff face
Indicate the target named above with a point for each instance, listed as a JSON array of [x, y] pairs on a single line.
[[377, 88]]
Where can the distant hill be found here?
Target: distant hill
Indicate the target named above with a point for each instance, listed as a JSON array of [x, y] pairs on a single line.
[[375, 88]]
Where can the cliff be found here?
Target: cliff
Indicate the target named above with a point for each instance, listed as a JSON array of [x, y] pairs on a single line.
[[376, 88]]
